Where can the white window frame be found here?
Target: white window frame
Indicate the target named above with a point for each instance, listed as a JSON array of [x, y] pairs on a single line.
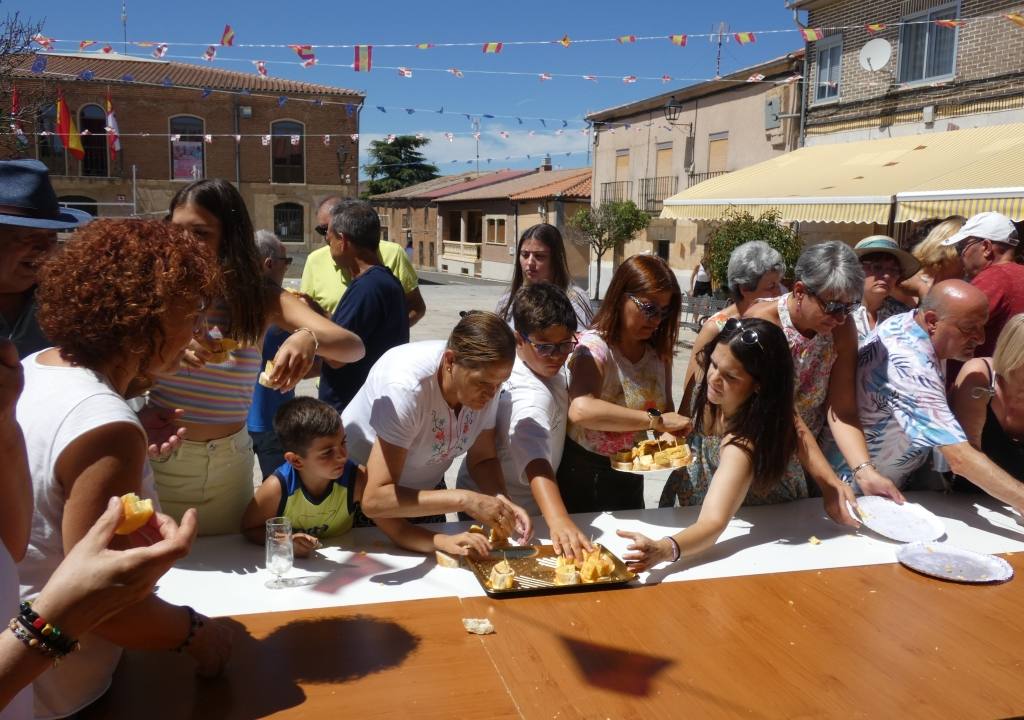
[[170, 146], [487, 219], [924, 15], [823, 46], [302, 144]]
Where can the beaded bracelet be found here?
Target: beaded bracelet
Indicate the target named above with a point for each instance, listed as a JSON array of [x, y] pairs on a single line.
[[30, 640], [48, 633], [316, 343], [194, 623], [676, 552]]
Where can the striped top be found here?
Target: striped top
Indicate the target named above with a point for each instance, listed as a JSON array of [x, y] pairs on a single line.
[[212, 394]]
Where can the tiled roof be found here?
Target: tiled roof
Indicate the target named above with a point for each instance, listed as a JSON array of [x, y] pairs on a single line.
[[574, 186], [484, 181], [113, 68], [520, 185], [428, 185]]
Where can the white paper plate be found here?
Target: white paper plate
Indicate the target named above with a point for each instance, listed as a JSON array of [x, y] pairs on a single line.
[[952, 563], [906, 523]]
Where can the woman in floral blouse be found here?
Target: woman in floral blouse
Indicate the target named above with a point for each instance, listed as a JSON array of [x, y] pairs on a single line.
[[621, 385]]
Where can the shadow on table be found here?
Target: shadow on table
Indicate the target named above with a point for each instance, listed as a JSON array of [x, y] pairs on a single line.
[[400, 577], [263, 677], [623, 671]]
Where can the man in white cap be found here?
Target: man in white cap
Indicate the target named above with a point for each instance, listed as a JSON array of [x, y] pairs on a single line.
[[987, 246], [29, 220]]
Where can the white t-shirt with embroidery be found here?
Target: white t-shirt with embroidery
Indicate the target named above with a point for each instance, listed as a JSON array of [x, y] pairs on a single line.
[[401, 402], [530, 425]]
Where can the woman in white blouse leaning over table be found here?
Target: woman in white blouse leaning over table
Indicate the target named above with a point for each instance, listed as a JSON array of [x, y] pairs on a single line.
[[422, 406]]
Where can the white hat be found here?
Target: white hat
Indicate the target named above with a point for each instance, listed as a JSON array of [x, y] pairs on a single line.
[[987, 226]]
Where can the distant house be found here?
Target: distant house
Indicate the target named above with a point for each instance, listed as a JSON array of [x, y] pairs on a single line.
[[478, 228], [178, 122], [648, 150]]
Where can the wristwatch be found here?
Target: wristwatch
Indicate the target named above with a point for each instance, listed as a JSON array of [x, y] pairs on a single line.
[[653, 414]]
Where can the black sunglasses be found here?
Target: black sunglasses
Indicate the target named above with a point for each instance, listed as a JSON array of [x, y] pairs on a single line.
[[747, 337], [834, 307], [650, 310], [321, 230], [551, 349]]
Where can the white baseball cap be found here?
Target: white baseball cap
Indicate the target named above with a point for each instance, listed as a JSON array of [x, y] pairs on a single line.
[[987, 226]]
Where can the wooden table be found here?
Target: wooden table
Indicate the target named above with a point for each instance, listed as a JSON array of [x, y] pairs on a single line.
[[873, 641]]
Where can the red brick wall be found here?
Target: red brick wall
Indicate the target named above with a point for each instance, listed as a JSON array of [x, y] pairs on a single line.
[[989, 61]]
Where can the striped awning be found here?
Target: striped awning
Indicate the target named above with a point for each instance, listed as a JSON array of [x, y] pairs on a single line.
[[902, 178]]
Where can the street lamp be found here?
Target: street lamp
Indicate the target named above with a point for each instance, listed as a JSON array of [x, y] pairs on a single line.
[[672, 110]]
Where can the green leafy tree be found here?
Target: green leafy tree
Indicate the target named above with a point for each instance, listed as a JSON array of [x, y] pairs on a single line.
[[606, 227], [397, 164], [740, 227]]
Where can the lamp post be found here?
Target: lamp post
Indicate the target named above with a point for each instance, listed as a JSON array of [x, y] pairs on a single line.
[[672, 110]]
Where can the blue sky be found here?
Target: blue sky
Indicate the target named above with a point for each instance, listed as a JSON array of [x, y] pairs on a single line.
[[404, 21]]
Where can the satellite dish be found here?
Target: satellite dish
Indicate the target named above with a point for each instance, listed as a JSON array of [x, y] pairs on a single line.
[[875, 54]]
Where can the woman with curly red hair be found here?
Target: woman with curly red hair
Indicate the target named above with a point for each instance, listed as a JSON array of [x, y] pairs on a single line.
[[212, 470], [122, 300]]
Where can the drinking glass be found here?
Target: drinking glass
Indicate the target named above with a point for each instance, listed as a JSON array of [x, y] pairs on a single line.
[[280, 554]]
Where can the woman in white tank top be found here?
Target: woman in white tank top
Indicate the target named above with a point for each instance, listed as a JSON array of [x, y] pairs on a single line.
[[122, 300]]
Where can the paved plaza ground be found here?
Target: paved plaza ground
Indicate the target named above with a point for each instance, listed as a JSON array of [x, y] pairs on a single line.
[[445, 300]]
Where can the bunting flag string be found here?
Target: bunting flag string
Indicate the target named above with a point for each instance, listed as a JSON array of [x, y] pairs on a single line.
[[492, 47], [812, 34], [363, 61], [680, 39]]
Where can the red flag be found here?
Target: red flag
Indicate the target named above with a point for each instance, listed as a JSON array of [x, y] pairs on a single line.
[[875, 27], [261, 67], [227, 38], [492, 47], [160, 51], [210, 54], [305, 52], [679, 40], [113, 131], [19, 131], [592, 78], [812, 34], [744, 38], [949, 24], [363, 58], [106, 49], [67, 130], [629, 79], [84, 44], [46, 43], [666, 78]]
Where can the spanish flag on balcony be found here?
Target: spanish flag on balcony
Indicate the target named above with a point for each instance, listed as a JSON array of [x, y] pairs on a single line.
[[812, 34], [744, 38], [227, 38], [875, 27], [1016, 18], [624, 39], [950, 24], [492, 47], [67, 131], [363, 58], [679, 40]]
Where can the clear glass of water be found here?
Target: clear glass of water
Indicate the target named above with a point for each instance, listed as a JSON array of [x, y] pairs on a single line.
[[280, 554]]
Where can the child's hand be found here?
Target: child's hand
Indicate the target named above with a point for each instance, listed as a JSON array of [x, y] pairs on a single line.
[[462, 544], [567, 538], [303, 545]]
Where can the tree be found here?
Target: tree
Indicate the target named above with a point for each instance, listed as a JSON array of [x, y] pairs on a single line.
[[15, 44], [606, 227], [397, 164], [740, 227]]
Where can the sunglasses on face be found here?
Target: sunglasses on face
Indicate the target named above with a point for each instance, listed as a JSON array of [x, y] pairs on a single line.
[[835, 308], [650, 310], [961, 247], [551, 349], [880, 269], [321, 230], [747, 337]]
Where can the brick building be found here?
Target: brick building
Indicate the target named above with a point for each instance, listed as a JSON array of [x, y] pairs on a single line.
[[178, 122], [936, 77]]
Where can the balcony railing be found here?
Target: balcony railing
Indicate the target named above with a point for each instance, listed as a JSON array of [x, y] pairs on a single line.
[[617, 191], [654, 190], [461, 251], [695, 178]]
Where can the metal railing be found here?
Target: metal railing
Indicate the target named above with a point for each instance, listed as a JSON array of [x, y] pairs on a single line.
[[654, 190], [695, 178], [617, 191]]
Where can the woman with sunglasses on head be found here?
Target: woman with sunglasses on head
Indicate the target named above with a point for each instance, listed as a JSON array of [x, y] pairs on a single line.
[[212, 470], [815, 318], [621, 385], [423, 405], [744, 436], [540, 257]]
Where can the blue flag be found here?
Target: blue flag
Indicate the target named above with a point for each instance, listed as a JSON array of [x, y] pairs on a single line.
[[39, 65]]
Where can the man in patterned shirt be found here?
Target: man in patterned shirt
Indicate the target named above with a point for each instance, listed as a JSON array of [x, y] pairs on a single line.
[[902, 398]]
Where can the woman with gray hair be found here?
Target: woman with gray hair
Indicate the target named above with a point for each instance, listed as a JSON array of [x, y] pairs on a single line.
[[755, 272], [815, 318]]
